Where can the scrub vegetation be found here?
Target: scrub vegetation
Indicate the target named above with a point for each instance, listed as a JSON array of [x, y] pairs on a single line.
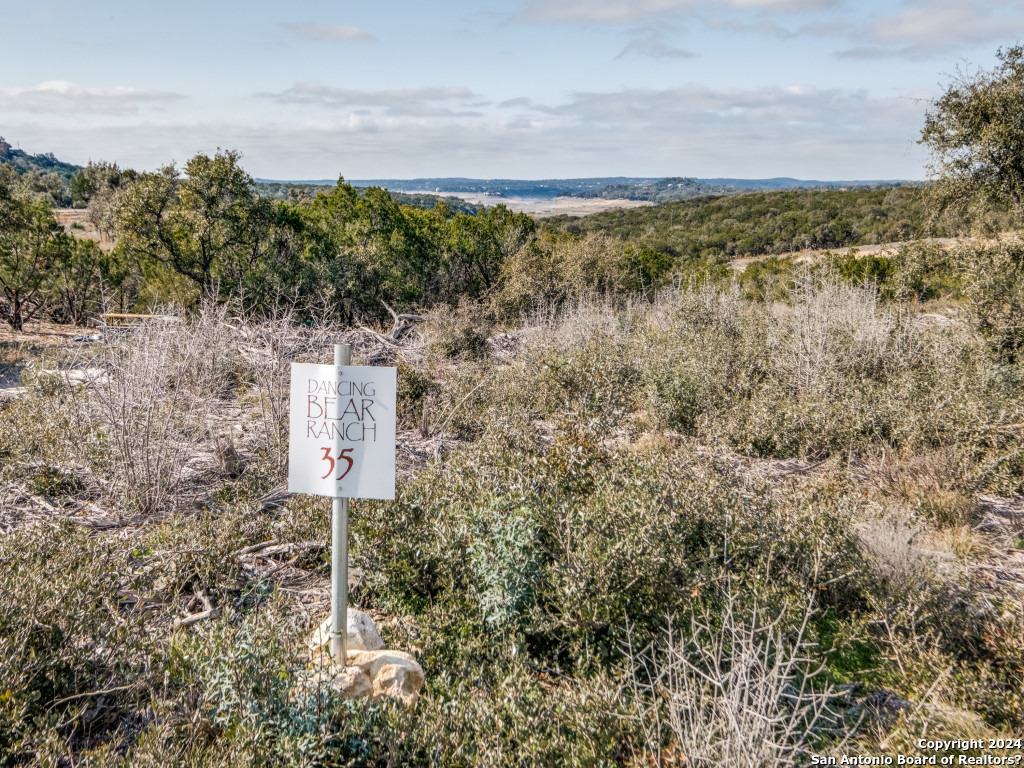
[[620, 527]]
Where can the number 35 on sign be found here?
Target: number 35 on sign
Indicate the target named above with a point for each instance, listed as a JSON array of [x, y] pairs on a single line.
[[342, 433]]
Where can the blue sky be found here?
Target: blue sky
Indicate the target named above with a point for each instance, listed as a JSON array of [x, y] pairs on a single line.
[[826, 89]]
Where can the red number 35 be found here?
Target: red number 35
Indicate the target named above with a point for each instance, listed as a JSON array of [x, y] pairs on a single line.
[[342, 456]]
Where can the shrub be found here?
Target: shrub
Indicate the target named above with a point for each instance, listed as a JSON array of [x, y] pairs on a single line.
[[735, 689]]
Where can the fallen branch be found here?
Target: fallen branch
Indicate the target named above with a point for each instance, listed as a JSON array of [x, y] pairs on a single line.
[[208, 613], [287, 549], [195, 618], [382, 339], [42, 503], [402, 322], [274, 499], [271, 547], [255, 547], [92, 693], [124, 522]]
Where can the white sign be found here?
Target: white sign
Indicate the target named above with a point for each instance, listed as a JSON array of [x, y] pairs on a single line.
[[342, 433]]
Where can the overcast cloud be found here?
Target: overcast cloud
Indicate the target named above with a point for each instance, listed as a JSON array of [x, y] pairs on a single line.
[[654, 46], [60, 97]]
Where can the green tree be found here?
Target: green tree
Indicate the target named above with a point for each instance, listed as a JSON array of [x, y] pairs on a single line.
[[97, 187], [364, 249], [31, 242], [477, 246], [975, 132], [77, 280], [208, 226]]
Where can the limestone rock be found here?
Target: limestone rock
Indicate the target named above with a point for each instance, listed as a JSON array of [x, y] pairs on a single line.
[[353, 683], [371, 670], [392, 673], [362, 634]]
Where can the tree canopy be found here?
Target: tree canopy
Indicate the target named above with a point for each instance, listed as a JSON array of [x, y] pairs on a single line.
[[31, 242], [208, 226], [975, 132]]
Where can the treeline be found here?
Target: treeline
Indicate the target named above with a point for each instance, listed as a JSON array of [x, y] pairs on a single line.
[[662, 190], [66, 185], [42, 268], [204, 232], [283, 190], [209, 231], [776, 222]]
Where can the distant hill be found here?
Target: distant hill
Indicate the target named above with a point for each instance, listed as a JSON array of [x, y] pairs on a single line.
[[656, 190], [23, 162], [785, 182], [770, 221], [292, 190], [48, 176], [541, 188], [680, 188]]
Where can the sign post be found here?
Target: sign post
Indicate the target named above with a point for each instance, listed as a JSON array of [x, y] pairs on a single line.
[[342, 444], [339, 553]]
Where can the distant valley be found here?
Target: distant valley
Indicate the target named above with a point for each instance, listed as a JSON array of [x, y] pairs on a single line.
[[525, 194]]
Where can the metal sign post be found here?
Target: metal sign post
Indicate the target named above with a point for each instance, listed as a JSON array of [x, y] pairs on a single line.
[[339, 554], [341, 443]]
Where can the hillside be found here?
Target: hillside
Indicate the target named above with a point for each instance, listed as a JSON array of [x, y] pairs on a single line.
[[598, 510], [653, 189], [42, 175], [24, 163], [535, 188], [671, 189], [778, 221]]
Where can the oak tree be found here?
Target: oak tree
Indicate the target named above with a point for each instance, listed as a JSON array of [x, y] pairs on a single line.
[[975, 132]]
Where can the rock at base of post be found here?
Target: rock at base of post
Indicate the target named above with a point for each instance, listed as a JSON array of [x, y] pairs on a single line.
[[362, 634], [372, 671]]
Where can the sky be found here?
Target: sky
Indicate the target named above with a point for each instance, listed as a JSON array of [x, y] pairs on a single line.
[[526, 89]]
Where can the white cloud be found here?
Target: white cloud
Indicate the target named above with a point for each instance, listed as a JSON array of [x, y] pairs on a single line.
[[925, 28], [62, 97], [327, 33], [655, 47], [633, 11], [761, 27], [424, 102], [913, 29], [702, 133], [694, 103], [785, 130]]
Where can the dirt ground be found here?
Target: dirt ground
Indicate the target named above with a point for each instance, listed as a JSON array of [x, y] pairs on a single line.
[[42, 334], [76, 222]]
